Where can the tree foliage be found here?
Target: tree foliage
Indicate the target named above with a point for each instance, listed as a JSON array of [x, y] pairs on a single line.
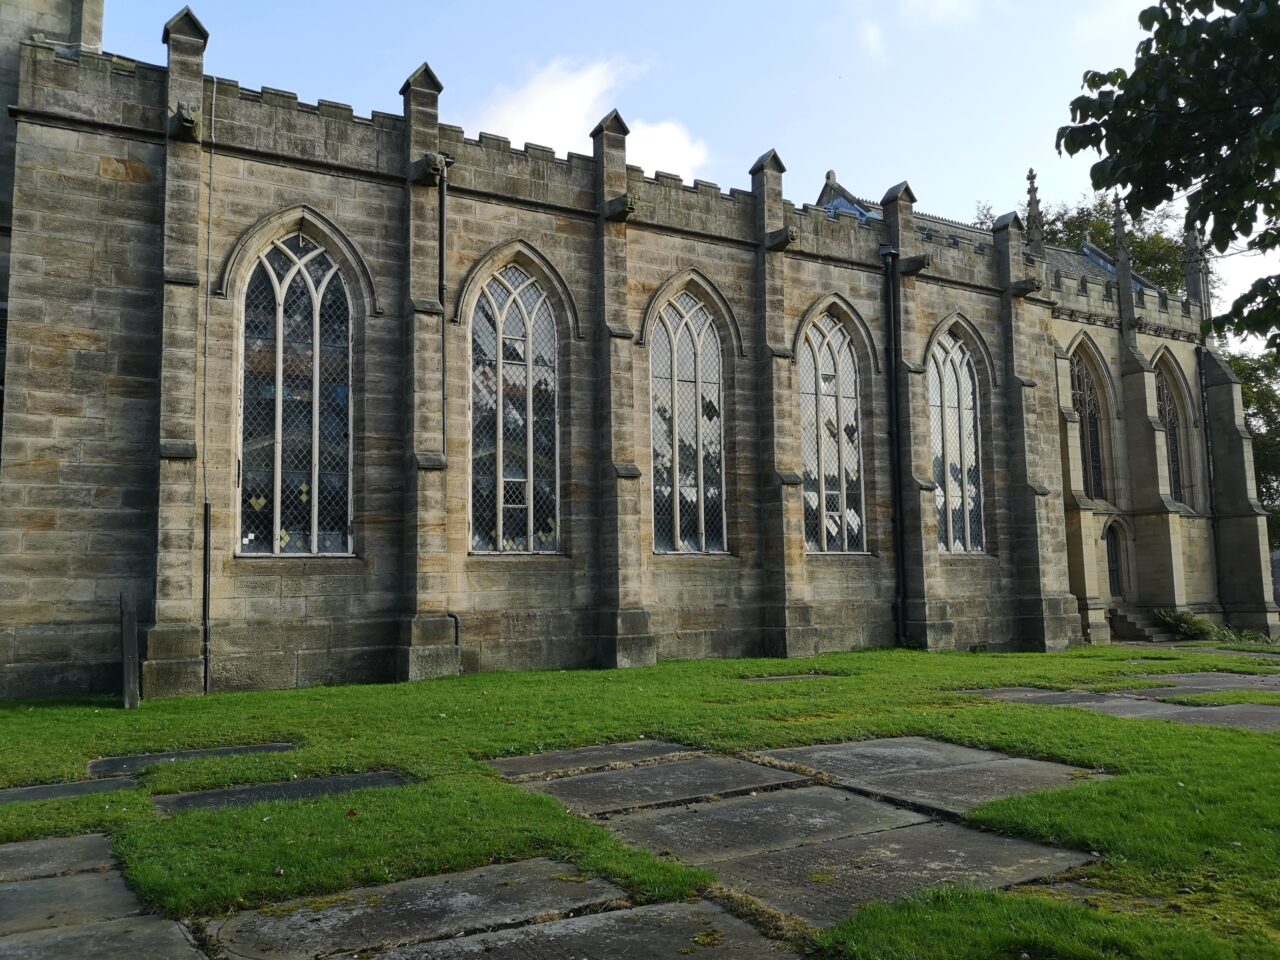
[[1260, 390], [1198, 115], [1155, 243]]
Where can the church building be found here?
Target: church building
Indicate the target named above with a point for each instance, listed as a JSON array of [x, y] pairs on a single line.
[[327, 399]]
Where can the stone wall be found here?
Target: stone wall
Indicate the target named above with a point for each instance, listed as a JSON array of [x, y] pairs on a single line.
[[134, 236]]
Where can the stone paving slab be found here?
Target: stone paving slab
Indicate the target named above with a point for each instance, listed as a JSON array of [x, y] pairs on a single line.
[[868, 758], [412, 911], [130, 938], [64, 901], [584, 759], [707, 832], [117, 766], [681, 781], [783, 678], [307, 789], [34, 859], [1256, 717], [824, 883], [63, 791], [957, 790], [1135, 708], [1038, 695], [1183, 684], [664, 932]]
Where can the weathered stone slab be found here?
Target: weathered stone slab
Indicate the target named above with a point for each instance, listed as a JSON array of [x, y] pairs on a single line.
[[858, 760], [34, 859], [1257, 717], [63, 791], [957, 790], [705, 833], [824, 883], [1037, 695], [1186, 684], [116, 766], [1252, 654], [130, 938], [662, 932], [290, 790], [62, 901], [787, 677], [681, 781], [1136, 708], [428, 908], [600, 757]]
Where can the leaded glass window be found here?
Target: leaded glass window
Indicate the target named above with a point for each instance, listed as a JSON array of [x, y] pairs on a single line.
[[514, 439], [1167, 410], [830, 439], [688, 438], [1085, 402], [295, 441], [955, 437]]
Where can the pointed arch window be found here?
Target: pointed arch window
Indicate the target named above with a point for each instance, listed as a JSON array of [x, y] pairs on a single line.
[[1088, 407], [1171, 420], [830, 439], [295, 439], [688, 430], [956, 435], [515, 443]]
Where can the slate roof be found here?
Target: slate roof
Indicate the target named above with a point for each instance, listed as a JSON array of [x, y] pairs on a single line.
[[1089, 261]]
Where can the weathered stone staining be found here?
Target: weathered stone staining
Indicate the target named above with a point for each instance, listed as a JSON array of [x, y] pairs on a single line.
[[1052, 406], [64, 901], [430, 908]]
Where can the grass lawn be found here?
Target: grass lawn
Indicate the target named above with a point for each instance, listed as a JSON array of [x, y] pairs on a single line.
[[1187, 833]]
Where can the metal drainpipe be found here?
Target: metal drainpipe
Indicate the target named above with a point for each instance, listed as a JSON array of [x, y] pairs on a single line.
[[889, 255], [208, 673], [1208, 459]]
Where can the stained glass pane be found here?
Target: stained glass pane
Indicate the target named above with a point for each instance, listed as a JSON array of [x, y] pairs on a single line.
[[662, 425], [318, 268], [515, 414], [973, 469], [296, 409], [937, 438], [257, 510], [280, 262], [484, 430], [334, 420], [712, 459], [955, 467], [687, 443], [811, 489]]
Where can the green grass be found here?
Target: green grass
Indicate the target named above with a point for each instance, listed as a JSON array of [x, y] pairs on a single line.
[[1187, 831]]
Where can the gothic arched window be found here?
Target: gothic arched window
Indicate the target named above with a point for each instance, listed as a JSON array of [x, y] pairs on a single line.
[[295, 452], [830, 439], [1085, 402], [1167, 410], [688, 437], [957, 461], [515, 442]]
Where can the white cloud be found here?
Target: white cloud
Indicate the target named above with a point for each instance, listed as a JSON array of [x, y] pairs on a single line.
[[560, 104], [665, 145], [871, 38]]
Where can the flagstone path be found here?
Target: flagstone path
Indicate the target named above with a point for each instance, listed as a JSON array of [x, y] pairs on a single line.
[[1148, 703]]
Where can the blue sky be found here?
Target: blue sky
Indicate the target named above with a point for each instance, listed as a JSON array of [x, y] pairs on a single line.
[[959, 97]]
